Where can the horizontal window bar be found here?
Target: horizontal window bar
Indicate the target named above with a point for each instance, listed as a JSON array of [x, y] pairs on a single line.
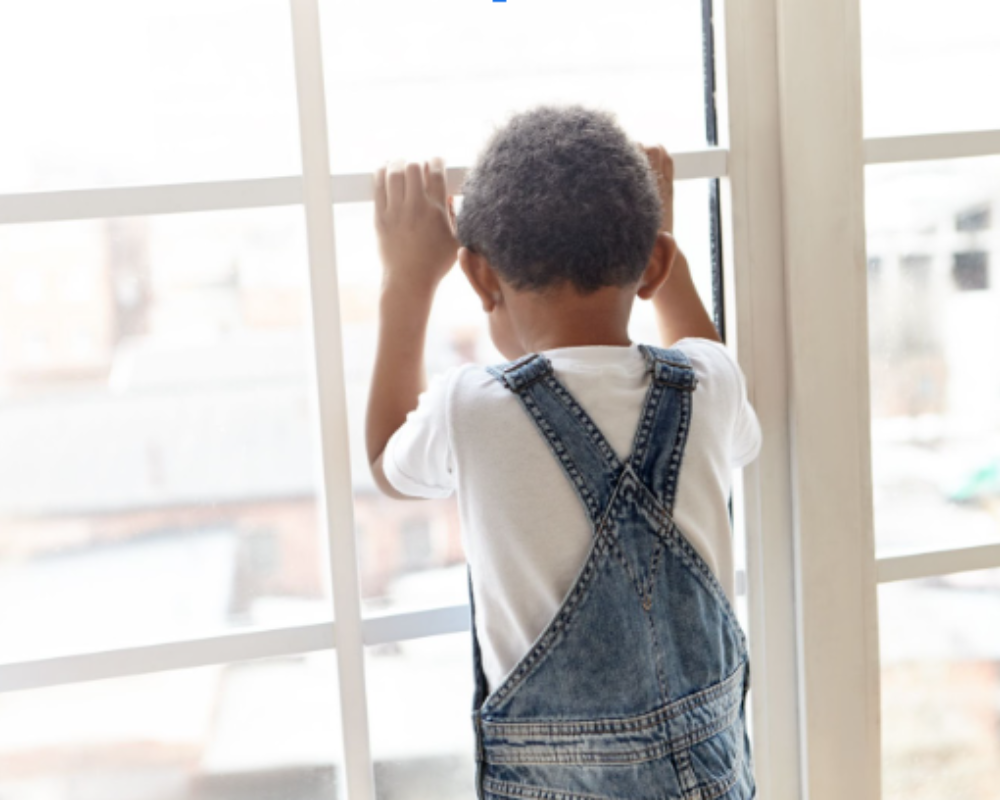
[[415, 624], [231, 647], [932, 147], [131, 201], [170, 655], [691, 165], [939, 562], [224, 649], [261, 193]]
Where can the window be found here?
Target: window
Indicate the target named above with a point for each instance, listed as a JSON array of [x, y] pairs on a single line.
[[971, 271], [160, 426], [186, 324], [147, 467], [226, 110], [926, 71], [934, 432], [249, 729], [976, 219], [941, 685]]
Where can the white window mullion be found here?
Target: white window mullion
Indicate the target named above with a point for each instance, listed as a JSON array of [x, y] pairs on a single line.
[[931, 147], [182, 198], [338, 499], [129, 201], [752, 230], [911, 566], [822, 179], [123, 662]]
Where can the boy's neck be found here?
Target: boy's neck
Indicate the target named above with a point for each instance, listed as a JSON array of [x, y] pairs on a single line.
[[567, 319], [576, 339]]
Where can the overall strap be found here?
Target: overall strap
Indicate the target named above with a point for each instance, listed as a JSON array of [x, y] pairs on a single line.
[[663, 424], [584, 454]]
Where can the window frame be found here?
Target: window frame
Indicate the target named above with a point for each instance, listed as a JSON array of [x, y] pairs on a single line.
[[795, 300], [798, 274], [316, 191]]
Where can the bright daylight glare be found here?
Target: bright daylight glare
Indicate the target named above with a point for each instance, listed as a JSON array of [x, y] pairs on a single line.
[[159, 440]]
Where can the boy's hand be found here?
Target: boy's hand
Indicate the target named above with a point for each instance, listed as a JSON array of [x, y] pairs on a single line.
[[415, 223], [663, 168], [679, 310]]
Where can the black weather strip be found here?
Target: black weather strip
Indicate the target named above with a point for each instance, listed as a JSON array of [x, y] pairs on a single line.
[[712, 139]]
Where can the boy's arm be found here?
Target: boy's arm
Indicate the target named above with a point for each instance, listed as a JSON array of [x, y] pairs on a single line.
[[679, 310], [398, 376], [680, 313], [415, 223]]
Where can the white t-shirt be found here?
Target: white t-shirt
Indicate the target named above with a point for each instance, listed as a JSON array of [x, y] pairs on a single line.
[[524, 528]]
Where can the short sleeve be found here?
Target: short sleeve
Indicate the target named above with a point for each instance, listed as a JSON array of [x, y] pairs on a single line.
[[418, 459], [746, 435]]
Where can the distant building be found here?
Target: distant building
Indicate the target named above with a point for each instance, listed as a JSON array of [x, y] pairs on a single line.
[[934, 299]]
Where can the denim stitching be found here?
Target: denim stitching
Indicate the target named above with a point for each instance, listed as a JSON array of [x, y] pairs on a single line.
[[643, 437], [559, 449], [678, 745], [619, 553], [680, 440], [505, 789], [510, 376], [723, 708], [654, 563], [581, 415], [604, 535], [668, 532], [636, 724], [704, 791], [684, 387], [661, 677], [523, 387], [653, 397]]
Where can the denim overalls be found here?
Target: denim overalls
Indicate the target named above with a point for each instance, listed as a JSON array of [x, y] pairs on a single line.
[[635, 690]]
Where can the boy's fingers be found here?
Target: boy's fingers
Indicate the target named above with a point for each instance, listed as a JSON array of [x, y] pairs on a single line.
[[380, 197], [436, 185], [395, 183], [666, 162], [414, 183], [660, 160]]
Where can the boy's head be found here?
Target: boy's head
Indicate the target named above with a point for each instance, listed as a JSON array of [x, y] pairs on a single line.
[[559, 208]]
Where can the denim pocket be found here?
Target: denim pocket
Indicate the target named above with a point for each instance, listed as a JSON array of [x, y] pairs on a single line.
[[647, 780], [499, 790], [718, 762]]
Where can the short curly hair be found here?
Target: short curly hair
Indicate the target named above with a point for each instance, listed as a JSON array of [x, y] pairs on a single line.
[[560, 194]]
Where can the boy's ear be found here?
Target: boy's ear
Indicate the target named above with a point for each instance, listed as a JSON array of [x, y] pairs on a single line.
[[481, 277], [658, 269]]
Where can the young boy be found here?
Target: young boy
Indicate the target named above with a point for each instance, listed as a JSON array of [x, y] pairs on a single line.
[[592, 472]]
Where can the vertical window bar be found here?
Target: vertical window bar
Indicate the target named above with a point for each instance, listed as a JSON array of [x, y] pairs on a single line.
[[712, 139], [749, 126], [338, 497]]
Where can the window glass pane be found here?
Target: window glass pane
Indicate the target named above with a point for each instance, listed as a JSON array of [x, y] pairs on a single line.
[[930, 67], [402, 82], [691, 229], [255, 730], [158, 441], [941, 687], [411, 554], [422, 685], [114, 92], [934, 336], [742, 608]]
